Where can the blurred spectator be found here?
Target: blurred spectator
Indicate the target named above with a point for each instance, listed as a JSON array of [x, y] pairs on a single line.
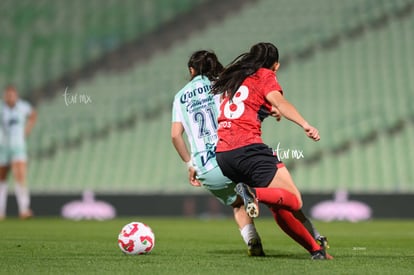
[[17, 119]]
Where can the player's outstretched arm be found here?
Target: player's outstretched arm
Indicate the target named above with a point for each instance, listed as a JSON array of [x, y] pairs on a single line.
[[290, 112]]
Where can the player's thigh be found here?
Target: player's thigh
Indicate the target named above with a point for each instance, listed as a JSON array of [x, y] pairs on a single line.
[[4, 171], [219, 185], [284, 180]]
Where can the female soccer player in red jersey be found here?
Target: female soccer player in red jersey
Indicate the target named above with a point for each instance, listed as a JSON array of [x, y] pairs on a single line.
[[251, 91]]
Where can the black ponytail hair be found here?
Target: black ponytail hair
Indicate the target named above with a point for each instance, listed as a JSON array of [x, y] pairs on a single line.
[[261, 55], [205, 63]]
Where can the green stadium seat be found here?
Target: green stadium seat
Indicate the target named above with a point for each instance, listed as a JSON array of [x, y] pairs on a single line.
[[79, 31], [354, 92]]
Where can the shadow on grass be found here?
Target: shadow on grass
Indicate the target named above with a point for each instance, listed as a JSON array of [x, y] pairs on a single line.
[[270, 253]]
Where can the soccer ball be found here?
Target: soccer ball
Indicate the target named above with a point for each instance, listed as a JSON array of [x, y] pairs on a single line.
[[136, 238]]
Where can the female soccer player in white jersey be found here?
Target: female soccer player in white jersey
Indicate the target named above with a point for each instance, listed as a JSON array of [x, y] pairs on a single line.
[[195, 112], [17, 119]]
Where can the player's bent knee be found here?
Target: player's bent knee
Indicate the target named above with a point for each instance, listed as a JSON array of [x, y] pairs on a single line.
[[300, 203]]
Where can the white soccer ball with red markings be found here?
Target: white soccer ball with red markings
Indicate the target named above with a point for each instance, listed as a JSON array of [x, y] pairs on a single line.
[[136, 238]]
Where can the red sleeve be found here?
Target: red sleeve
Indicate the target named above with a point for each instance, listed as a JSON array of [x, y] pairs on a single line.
[[270, 83]]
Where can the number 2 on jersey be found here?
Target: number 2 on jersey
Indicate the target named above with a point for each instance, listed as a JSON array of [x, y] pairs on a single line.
[[234, 108], [201, 118]]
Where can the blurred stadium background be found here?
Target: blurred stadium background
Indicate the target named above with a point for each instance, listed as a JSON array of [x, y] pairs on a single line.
[[347, 65]]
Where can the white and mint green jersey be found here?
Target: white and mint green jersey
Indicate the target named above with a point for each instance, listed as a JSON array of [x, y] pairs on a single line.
[[197, 110], [13, 122]]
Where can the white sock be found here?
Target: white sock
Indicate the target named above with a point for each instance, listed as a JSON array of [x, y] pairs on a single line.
[[249, 232], [3, 198], [22, 197]]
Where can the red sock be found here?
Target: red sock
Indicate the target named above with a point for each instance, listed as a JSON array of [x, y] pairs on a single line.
[[277, 197], [294, 228]]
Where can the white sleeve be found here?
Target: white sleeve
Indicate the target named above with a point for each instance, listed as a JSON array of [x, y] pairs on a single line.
[[27, 108], [176, 112]]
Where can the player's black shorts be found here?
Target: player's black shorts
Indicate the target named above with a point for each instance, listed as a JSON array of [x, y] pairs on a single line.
[[255, 164]]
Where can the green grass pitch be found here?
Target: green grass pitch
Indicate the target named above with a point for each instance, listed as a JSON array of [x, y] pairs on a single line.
[[192, 246]]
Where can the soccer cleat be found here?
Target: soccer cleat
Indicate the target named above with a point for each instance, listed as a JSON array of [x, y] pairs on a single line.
[[323, 242], [26, 215], [249, 199], [255, 248], [320, 255]]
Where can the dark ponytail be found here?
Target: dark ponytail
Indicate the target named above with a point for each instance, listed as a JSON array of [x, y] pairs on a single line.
[[261, 55], [205, 63]]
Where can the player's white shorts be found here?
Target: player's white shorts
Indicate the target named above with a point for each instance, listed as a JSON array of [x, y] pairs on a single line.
[[219, 185], [9, 154]]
